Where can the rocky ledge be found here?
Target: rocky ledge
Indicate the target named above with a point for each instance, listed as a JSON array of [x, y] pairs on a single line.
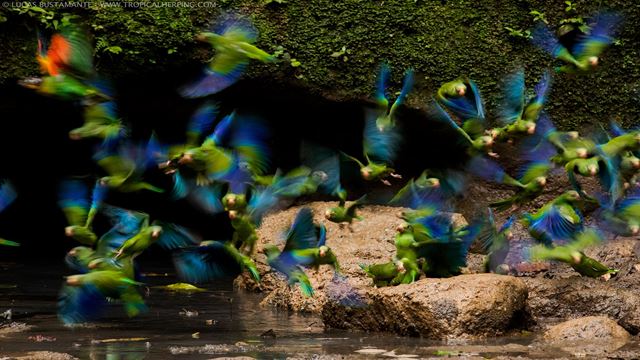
[[469, 305]]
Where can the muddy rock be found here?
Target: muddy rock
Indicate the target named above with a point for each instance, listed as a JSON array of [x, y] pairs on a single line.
[[556, 299], [474, 305], [590, 335], [45, 355]]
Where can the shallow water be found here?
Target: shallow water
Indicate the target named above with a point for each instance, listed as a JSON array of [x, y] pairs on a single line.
[[237, 323]]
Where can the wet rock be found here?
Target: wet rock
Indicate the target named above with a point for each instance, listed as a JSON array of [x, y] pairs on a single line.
[[45, 355], [12, 328], [590, 335], [465, 305], [552, 299]]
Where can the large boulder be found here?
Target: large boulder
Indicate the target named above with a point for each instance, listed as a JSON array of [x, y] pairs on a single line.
[[472, 305], [590, 335]]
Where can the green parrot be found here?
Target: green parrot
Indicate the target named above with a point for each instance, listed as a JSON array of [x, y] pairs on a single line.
[[74, 201], [345, 214], [572, 254], [383, 274], [287, 265], [101, 121], [496, 243], [528, 186], [519, 116], [112, 284], [558, 219], [125, 168], [233, 44], [471, 135], [584, 55], [135, 245], [385, 115]]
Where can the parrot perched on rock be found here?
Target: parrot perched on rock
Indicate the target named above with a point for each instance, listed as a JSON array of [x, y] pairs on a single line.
[[385, 115], [571, 253], [395, 272], [345, 214], [232, 41], [584, 56]]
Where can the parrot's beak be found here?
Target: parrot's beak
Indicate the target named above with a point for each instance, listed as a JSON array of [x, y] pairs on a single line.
[[593, 170], [233, 214], [576, 258], [73, 280], [634, 229], [327, 214], [68, 231], [531, 129]]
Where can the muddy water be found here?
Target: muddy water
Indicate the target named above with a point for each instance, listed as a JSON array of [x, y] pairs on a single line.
[[221, 322]]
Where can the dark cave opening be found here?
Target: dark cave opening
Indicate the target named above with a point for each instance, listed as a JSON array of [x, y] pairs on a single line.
[[38, 152]]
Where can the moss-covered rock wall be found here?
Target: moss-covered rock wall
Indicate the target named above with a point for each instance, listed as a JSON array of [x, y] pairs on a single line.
[[338, 46]]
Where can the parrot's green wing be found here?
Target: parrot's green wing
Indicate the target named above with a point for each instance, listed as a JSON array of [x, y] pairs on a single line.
[[534, 171]]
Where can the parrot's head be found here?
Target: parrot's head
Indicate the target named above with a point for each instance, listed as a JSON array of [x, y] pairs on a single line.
[[319, 176], [572, 195], [531, 127], [637, 137], [576, 257], [81, 234], [401, 228], [186, 158], [508, 234], [593, 61], [461, 89], [635, 229], [582, 153], [75, 280], [80, 252], [329, 214], [155, 231], [484, 142], [541, 180], [400, 267], [493, 132], [95, 264], [366, 172], [271, 251], [31, 82], [323, 250], [205, 36], [433, 182], [233, 201], [592, 169], [572, 135]]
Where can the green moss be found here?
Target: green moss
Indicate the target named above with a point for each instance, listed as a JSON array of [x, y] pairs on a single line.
[[441, 40]]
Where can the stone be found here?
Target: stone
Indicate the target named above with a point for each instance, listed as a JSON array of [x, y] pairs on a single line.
[[591, 335]]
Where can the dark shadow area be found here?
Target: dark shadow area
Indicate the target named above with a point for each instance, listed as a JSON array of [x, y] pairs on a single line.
[[37, 152]]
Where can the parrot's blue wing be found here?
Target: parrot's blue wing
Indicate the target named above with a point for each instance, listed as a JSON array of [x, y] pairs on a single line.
[[600, 36], [211, 81], [74, 193], [553, 226], [322, 235], [407, 85], [261, 201], [513, 103], [302, 233], [207, 198], [546, 40], [379, 146], [326, 162], [7, 194], [202, 119], [80, 304], [201, 264], [125, 221], [381, 86], [175, 236]]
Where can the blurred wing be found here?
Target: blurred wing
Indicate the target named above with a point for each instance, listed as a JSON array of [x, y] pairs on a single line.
[[80, 304], [175, 236], [381, 87], [599, 38], [513, 103], [8, 194], [379, 146], [437, 113], [302, 233], [407, 85], [74, 201], [201, 121], [201, 264], [547, 41]]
